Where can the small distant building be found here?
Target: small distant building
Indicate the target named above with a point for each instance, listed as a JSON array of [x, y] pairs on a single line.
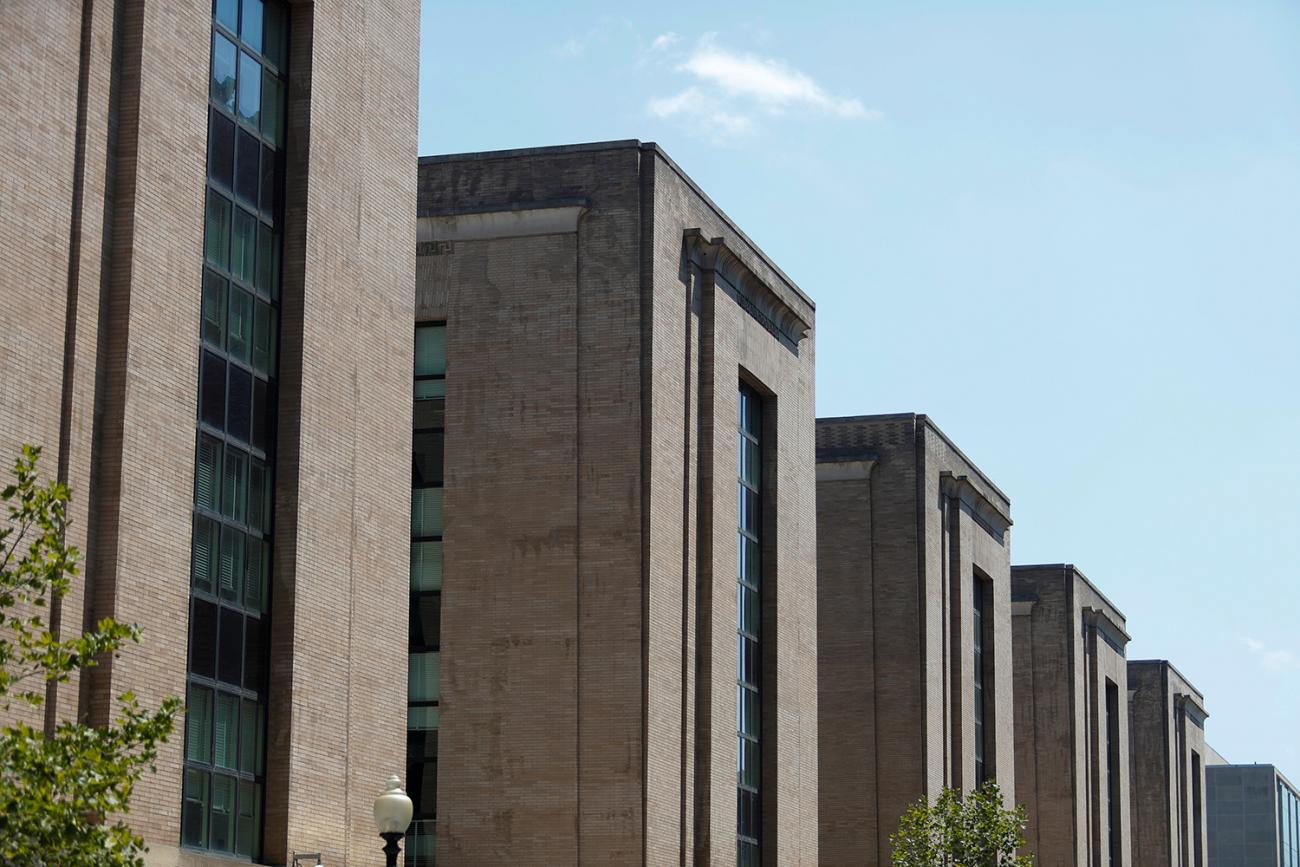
[[914, 628], [1071, 718], [1254, 816], [1167, 748]]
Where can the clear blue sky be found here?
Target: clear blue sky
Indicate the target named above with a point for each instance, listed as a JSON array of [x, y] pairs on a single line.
[[1069, 232]]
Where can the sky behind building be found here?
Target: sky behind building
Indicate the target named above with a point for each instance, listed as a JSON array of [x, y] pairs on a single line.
[[1069, 232]]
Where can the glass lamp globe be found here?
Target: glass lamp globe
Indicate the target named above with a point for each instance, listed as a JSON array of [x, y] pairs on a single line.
[[393, 809]]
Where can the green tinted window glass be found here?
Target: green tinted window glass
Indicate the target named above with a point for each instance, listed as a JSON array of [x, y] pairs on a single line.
[[198, 725], [234, 488], [243, 249], [222, 87], [194, 809], [430, 350], [221, 826], [226, 731], [426, 566], [214, 309], [248, 822], [426, 389], [207, 473], [274, 29], [255, 583], [230, 577], [272, 109], [240, 330], [268, 262], [204, 565], [423, 676], [216, 233], [264, 335], [426, 512]]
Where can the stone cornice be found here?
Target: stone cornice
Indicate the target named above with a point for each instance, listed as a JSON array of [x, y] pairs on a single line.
[[1111, 632], [984, 510], [751, 292]]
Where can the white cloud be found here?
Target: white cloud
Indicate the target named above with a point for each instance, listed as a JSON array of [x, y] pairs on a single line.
[[1272, 658], [665, 41], [769, 82], [694, 101]]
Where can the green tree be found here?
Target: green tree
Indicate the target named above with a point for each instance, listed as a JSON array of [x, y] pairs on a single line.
[[975, 831], [63, 795]]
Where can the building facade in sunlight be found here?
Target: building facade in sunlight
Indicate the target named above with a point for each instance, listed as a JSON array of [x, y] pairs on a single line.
[[1168, 757], [914, 628], [1071, 718], [1253, 815], [205, 243], [613, 520]]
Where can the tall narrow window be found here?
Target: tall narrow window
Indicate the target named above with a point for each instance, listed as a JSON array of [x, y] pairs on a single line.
[[230, 563], [979, 606], [426, 589], [748, 631], [1112, 772], [1198, 807]]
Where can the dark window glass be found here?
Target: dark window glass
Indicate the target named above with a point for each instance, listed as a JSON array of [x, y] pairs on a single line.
[[231, 647], [748, 628], [239, 412], [254, 654], [426, 617], [747, 818], [250, 90], [214, 309], [223, 813], [221, 148], [216, 232], [258, 568], [273, 34], [250, 24], [203, 638], [979, 666], [429, 413], [246, 168], [239, 336], [263, 408], [268, 262], [212, 400], [234, 484], [223, 71], [272, 108], [248, 822], [426, 465], [264, 339], [250, 736], [256, 493]]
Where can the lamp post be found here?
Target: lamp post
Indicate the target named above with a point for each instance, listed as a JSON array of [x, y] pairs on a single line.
[[392, 817]]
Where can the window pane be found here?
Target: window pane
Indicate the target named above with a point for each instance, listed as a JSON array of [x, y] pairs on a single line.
[[426, 616], [243, 250], [226, 730], [204, 559], [273, 33], [264, 339], [216, 237], [272, 108], [430, 350], [422, 676], [230, 653], [198, 725], [430, 388], [249, 821], [256, 492], [239, 406], [270, 200], [747, 762], [212, 400], [749, 561], [230, 579], [227, 12], [258, 566], [426, 463], [250, 90], [234, 487], [426, 512], [268, 261], [422, 718], [246, 168], [241, 323], [426, 566], [221, 148], [250, 735], [203, 638], [223, 71], [250, 24], [194, 811], [214, 308], [263, 413], [254, 653], [207, 473], [223, 812], [749, 613], [429, 412]]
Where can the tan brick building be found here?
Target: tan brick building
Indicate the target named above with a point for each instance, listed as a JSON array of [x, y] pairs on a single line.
[[914, 628], [207, 213], [1168, 756], [627, 645], [1071, 718]]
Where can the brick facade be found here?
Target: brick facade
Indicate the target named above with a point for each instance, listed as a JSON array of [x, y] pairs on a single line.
[[596, 340], [905, 524], [101, 243], [1167, 730], [1070, 676]]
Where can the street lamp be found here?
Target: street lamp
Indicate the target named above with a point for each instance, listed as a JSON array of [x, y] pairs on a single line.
[[392, 817]]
